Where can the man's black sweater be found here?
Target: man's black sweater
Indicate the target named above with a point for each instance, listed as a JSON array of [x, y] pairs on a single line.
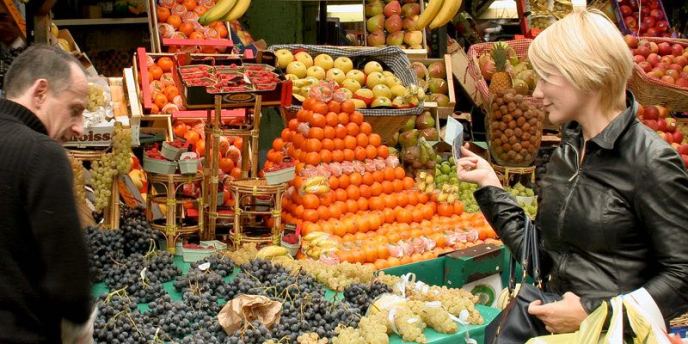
[[43, 260]]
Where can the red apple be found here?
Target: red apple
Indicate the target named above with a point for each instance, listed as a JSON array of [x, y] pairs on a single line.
[[631, 22], [677, 67], [683, 149], [646, 66], [683, 75], [657, 14], [668, 79], [661, 125], [651, 32], [653, 58], [681, 61], [664, 48], [685, 160], [672, 73], [682, 82], [678, 137], [638, 58], [632, 41], [671, 125], [677, 50], [647, 23], [668, 138], [662, 111], [668, 59], [663, 66], [626, 10], [656, 72], [650, 112], [654, 48], [652, 124], [662, 26]]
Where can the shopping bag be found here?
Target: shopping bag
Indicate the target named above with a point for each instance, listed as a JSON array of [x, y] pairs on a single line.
[[647, 330], [590, 330]]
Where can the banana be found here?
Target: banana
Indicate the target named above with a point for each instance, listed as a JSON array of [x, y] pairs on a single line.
[[238, 10], [314, 235], [446, 14], [221, 8], [429, 13], [272, 251]]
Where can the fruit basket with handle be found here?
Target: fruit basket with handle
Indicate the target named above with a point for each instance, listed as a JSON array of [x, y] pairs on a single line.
[[648, 90]]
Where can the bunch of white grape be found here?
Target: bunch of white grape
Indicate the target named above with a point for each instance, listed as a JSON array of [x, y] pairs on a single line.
[[348, 335], [79, 181], [103, 173], [434, 316], [121, 148], [96, 97], [466, 191], [409, 325]]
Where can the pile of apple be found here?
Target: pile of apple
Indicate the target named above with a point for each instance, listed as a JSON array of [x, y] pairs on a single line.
[[657, 118], [393, 24], [664, 61], [437, 86], [372, 87], [653, 20]]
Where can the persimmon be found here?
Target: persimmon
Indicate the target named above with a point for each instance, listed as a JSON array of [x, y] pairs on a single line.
[[163, 14]]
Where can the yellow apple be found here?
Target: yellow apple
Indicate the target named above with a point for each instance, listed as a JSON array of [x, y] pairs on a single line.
[[284, 58], [325, 61], [304, 58], [316, 72], [344, 63], [372, 66], [336, 74], [297, 68], [356, 75]]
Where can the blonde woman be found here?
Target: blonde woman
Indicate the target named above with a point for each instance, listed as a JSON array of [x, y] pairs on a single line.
[[613, 207]]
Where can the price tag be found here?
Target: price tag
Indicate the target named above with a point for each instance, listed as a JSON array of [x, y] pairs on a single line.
[[143, 274], [204, 266], [452, 129]]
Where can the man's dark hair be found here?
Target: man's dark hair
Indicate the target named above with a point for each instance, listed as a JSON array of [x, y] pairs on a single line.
[[39, 62]]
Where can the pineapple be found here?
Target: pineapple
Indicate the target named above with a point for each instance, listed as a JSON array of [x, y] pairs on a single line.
[[501, 80]]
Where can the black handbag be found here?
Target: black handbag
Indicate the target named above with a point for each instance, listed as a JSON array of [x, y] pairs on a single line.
[[514, 325]]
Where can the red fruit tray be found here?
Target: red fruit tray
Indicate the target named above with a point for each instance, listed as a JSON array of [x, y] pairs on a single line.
[[649, 90], [637, 15]]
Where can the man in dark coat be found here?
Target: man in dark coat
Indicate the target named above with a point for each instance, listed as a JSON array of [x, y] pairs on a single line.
[[44, 285]]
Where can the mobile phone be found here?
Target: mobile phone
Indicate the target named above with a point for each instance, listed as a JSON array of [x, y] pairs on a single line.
[[457, 143]]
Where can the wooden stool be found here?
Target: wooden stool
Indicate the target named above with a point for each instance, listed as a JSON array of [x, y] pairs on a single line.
[[174, 226], [254, 189], [506, 172]]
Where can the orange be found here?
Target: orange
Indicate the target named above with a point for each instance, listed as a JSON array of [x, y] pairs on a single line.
[[381, 264], [318, 120], [171, 92], [155, 72], [366, 128], [389, 173], [335, 213], [165, 63], [313, 158], [350, 142], [313, 145], [353, 192], [286, 134], [340, 131], [409, 183], [376, 203], [323, 212], [320, 108], [339, 143], [398, 185], [348, 106], [294, 123], [186, 28], [160, 100], [371, 152], [458, 208], [445, 209], [341, 195], [331, 119], [360, 153], [352, 129], [356, 178], [362, 204], [337, 155], [379, 176], [343, 118], [423, 198], [325, 156], [399, 172], [154, 109], [382, 152], [387, 187], [310, 215], [362, 140], [328, 144], [344, 181], [390, 201], [334, 106], [310, 201], [402, 199], [316, 133], [417, 216], [163, 13], [412, 198], [349, 155], [357, 117], [329, 132], [180, 129], [368, 179], [389, 215], [365, 191], [370, 254], [308, 103], [376, 189], [374, 139], [196, 35], [189, 4], [174, 20], [351, 206]]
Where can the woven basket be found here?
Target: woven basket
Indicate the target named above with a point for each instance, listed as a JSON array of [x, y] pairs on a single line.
[[393, 57], [649, 91], [474, 52]]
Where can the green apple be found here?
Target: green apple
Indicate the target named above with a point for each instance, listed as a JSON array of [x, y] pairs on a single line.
[[304, 58], [372, 66], [351, 84], [344, 63], [284, 58], [336, 74], [316, 72], [356, 75], [297, 68], [374, 78], [381, 90], [325, 61]]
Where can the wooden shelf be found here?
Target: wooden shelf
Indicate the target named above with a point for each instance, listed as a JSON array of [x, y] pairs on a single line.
[[100, 21]]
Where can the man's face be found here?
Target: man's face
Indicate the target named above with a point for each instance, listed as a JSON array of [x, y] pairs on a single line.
[[64, 110]]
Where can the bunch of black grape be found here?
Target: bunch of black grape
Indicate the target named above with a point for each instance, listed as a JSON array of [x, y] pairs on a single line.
[[177, 319], [201, 281], [104, 248], [142, 276], [261, 277], [137, 232], [219, 263], [204, 301], [362, 295], [119, 321]]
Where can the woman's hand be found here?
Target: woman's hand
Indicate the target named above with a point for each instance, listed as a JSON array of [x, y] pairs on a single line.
[[563, 316], [473, 169]]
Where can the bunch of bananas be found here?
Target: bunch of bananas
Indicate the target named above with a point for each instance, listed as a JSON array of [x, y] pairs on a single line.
[[318, 243], [225, 10], [438, 13], [271, 252]]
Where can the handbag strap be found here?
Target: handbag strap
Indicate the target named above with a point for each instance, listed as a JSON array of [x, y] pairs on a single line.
[[534, 253], [530, 257]]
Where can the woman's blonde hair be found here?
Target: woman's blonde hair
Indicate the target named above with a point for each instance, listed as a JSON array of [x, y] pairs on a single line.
[[589, 51]]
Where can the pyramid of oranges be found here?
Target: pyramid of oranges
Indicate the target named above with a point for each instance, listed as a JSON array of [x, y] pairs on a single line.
[[364, 198]]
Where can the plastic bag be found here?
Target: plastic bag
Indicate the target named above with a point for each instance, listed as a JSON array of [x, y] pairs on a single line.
[[590, 330]]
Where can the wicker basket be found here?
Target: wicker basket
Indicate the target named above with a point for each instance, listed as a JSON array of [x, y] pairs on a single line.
[[649, 91], [474, 52]]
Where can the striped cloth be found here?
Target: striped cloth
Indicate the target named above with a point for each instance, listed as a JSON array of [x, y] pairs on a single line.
[[391, 57]]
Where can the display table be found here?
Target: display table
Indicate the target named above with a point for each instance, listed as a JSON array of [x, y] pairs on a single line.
[[474, 331]]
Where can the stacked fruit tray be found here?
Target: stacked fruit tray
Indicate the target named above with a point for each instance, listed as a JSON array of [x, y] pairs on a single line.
[[229, 79]]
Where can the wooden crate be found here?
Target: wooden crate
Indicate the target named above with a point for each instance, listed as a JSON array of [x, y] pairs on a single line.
[[442, 112]]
